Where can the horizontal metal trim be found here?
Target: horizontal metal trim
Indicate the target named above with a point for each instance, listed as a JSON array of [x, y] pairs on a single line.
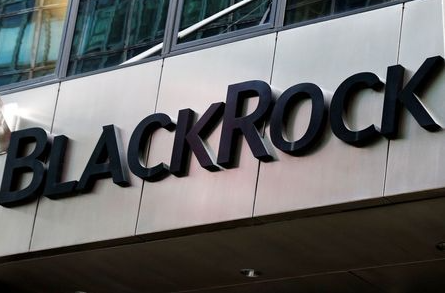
[[234, 224]]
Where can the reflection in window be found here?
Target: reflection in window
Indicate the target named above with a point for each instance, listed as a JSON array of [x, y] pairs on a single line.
[[109, 32], [30, 37], [303, 10], [346, 5], [298, 10], [250, 15]]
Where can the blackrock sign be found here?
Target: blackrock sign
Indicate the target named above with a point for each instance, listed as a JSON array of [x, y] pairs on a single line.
[[46, 160]]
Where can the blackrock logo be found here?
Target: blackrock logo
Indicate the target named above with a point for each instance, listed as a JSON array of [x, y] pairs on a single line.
[[108, 160]]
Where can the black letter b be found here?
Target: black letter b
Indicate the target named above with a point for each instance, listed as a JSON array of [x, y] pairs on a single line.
[[17, 165]]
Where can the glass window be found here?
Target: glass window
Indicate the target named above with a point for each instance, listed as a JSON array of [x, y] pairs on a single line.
[[254, 13], [109, 32], [346, 5], [30, 38], [303, 10]]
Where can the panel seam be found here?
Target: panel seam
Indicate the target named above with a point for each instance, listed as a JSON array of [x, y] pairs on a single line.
[[38, 199], [148, 149], [264, 127], [397, 62]]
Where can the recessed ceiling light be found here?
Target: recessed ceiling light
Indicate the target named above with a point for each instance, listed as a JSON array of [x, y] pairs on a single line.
[[250, 273]]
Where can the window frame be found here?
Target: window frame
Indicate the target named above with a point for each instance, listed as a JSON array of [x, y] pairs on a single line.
[[67, 38], [248, 32]]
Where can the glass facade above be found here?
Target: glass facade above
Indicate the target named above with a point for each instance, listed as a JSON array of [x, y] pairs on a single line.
[[105, 33], [30, 38], [304, 10], [193, 11], [109, 32]]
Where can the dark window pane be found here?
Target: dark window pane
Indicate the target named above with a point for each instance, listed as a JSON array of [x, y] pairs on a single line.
[[108, 32], [303, 10], [12, 30], [26, 42], [11, 78], [298, 10], [194, 11], [16, 37], [148, 22], [44, 71], [10, 6], [95, 62], [136, 51], [30, 38], [105, 28], [346, 5]]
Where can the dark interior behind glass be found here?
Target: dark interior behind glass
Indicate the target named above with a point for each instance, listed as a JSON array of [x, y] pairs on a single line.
[[30, 38], [109, 32], [304, 10], [193, 11]]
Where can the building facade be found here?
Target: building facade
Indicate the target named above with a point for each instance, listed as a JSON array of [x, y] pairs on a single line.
[[261, 151]]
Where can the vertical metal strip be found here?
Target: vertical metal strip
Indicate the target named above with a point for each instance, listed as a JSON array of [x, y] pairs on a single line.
[[397, 62], [39, 198], [177, 20], [67, 38], [264, 126], [147, 152], [127, 36], [280, 7], [170, 26]]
